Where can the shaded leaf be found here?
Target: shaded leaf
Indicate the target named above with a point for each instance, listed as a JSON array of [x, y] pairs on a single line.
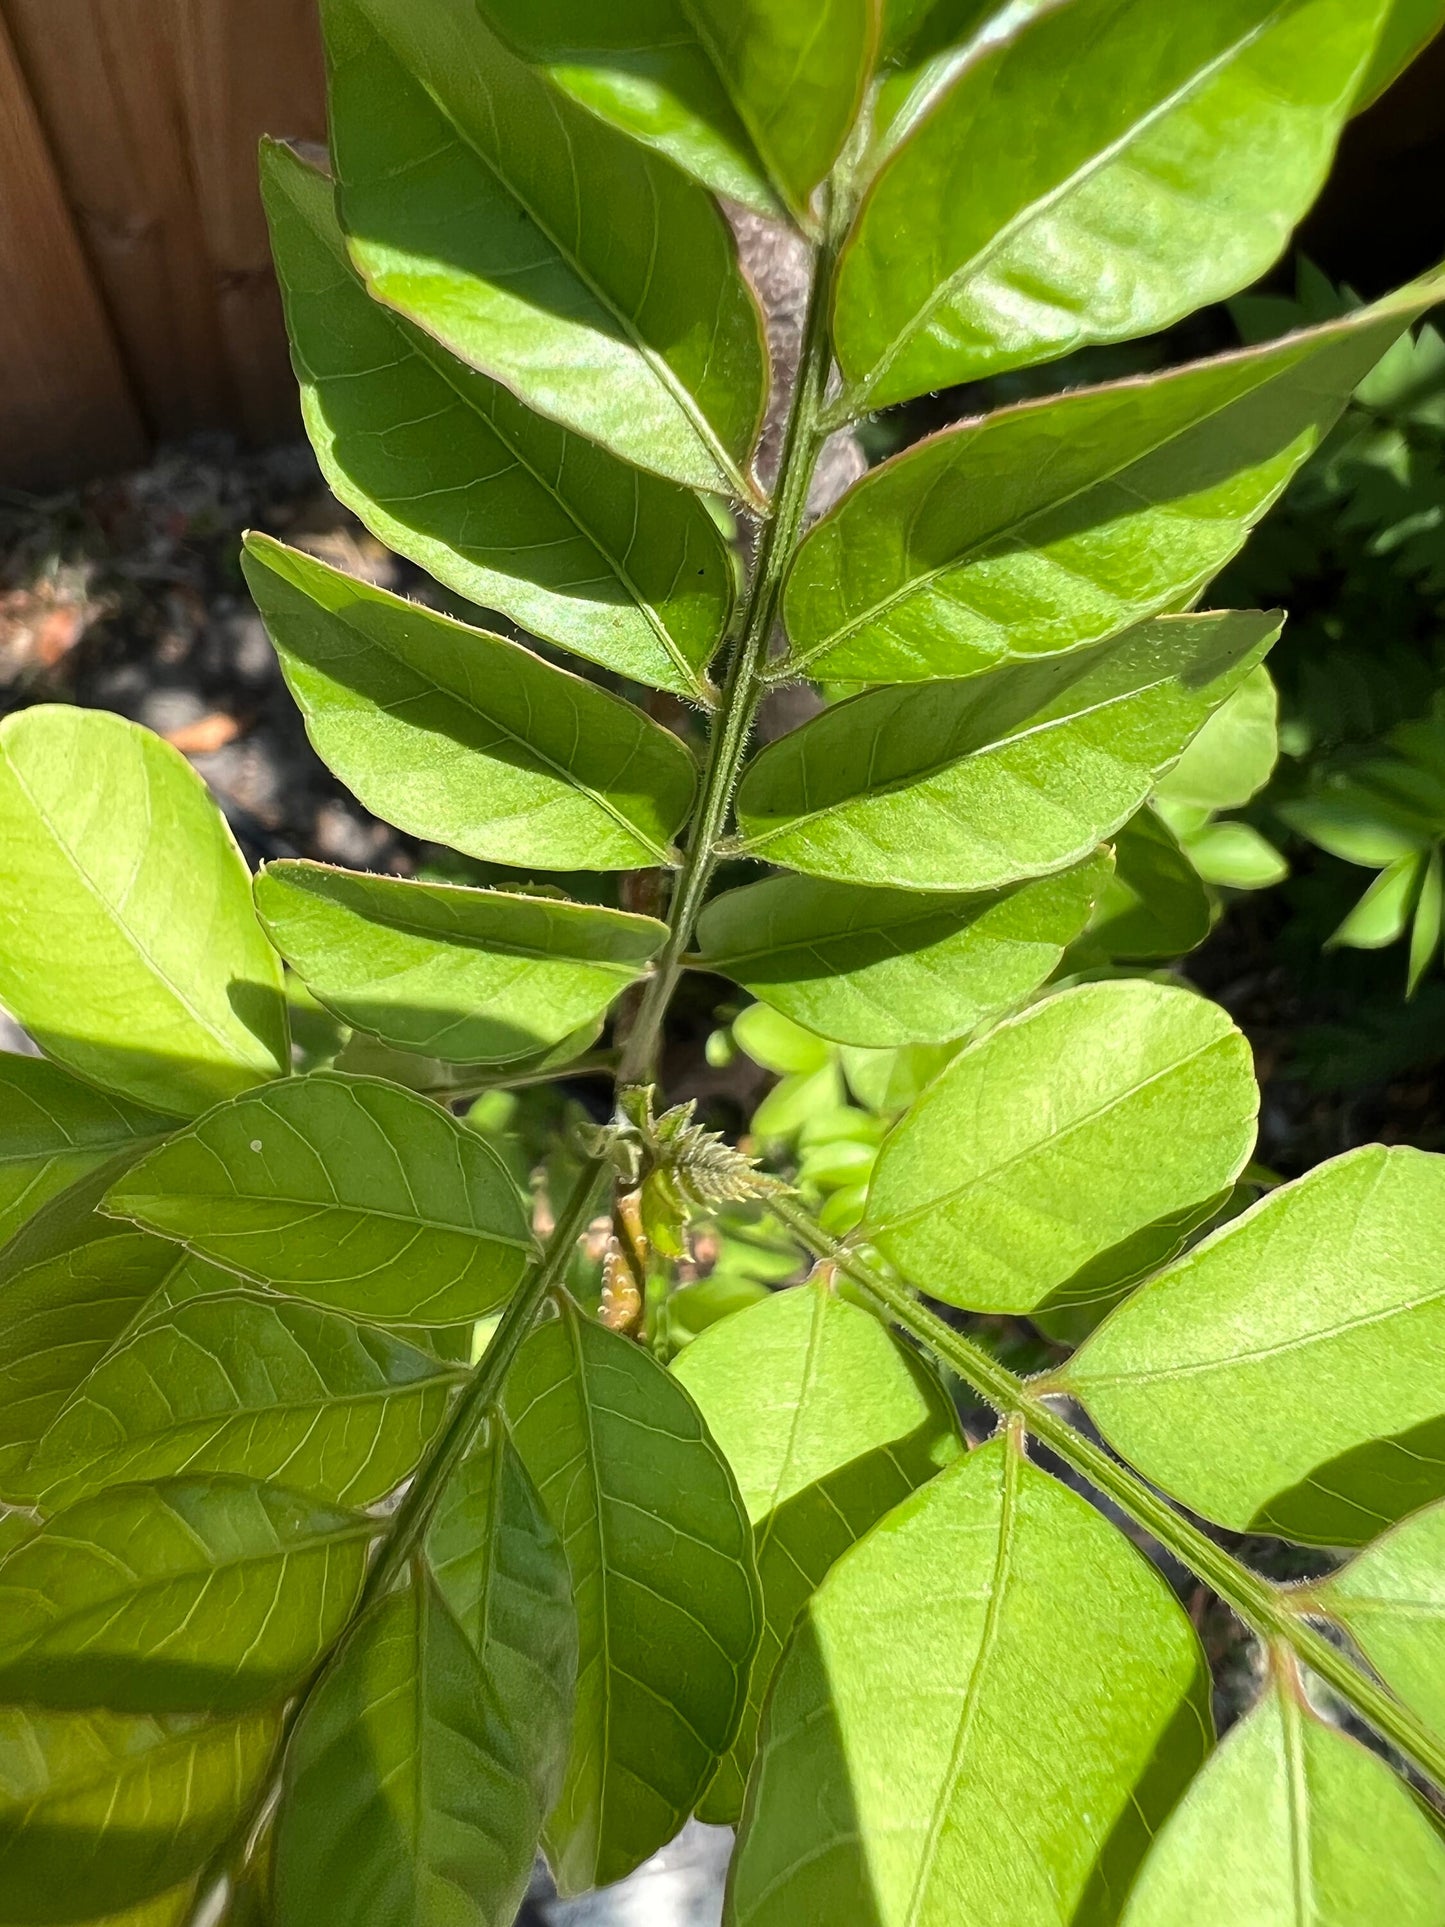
[[546, 249], [99, 1811], [1061, 521], [1284, 1375], [345, 1190], [827, 1423], [241, 1383], [662, 1577], [1292, 1824], [404, 1799], [969, 785], [191, 1596], [1125, 165], [501, 1569], [1057, 1136], [889, 967], [128, 945], [55, 1130], [468, 976], [1233, 756], [459, 736], [1154, 905], [988, 1706], [503, 506], [1391, 1599]]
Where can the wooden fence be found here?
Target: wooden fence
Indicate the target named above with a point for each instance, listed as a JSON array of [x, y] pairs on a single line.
[[136, 298]]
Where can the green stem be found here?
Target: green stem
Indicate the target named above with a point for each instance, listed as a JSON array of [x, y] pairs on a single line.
[[745, 687], [1273, 1612], [597, 1063]]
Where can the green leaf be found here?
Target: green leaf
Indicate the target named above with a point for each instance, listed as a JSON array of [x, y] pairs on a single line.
[[1235, 856], [1382, 915], [468, 976], [1355, 826], [1409, 27], [1097, 1287], [501, 1569], [1057, 1136], [450, 470], [1163, 171], [1154, 905], [192, 1596], [970, 785], [1062, 521], [99, 1811], [1390, 1598], [1284, 1376], [404, 1800], [347, 1191], [662, 1577], [128, 945], [889, 967], [55, 1130], [1429, 916], [1233, 756], [639, 65], [989, 1705], [71, 1282], [827, 1423], [547, 250], [1292, 1824], [235, 1382], [459, 736]]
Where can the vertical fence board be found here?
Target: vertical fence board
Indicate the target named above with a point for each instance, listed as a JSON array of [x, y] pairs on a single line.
[[103, 75], [63, 385]]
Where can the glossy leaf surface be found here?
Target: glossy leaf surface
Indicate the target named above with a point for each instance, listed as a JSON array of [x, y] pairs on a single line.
[[1292, 1824], [970, 785], [345, 1190], [993, 1664], [543, 247], [1284, 1376], [462, 737], [192, 1596], [1123, 166], [99, 1811], [1391, 1598], [890, 967], [662, 1577], [245, 1384], [404, 1798], [468, 976], [450, 470], [1059, 522], [128, 946], [54, 1128], [1059, 1135], [1409, 26], [827, 1424]]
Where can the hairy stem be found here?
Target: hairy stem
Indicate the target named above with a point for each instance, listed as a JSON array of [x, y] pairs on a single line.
[[744, 689], [1274, 1613]]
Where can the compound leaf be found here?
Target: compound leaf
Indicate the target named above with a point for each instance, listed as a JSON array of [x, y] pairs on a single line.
[[662, 1577], [1284, 1375], [100, 1811], [189, 1596], [543, 247], [970, 785], [128, 945], [994, 1663], [1391, 1599], [462, 737], [450, 470], [404, 1798], [1292, 1824], [827, 1423], [1059, 1135], [883, 968], [345, 1190], [467, 976], [1124, 166], [1062, 521]]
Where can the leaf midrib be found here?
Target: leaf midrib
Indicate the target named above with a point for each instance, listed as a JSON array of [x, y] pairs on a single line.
[[1196, 82]]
